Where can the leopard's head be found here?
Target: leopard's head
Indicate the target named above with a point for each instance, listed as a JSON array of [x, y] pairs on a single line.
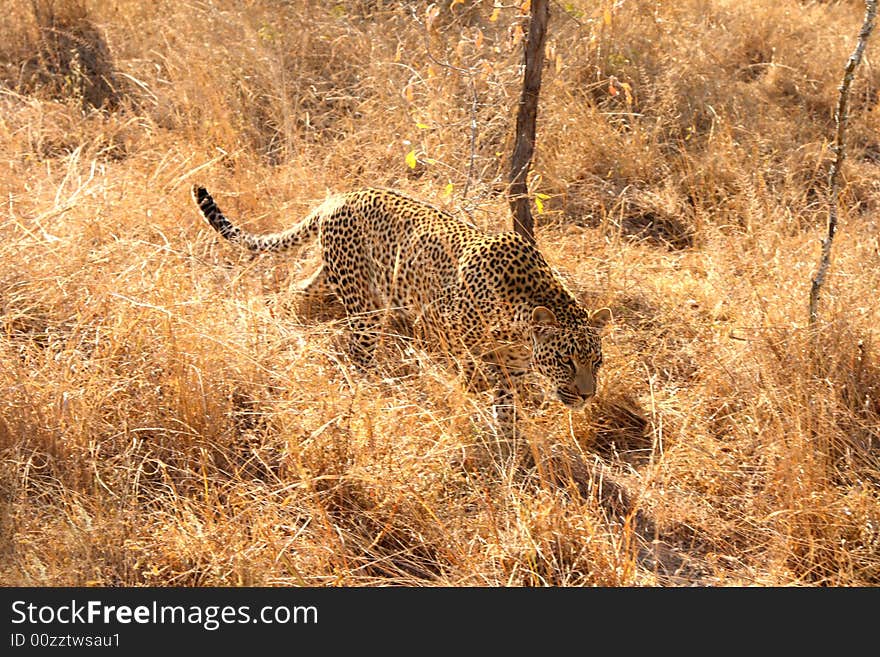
[[568, 356]]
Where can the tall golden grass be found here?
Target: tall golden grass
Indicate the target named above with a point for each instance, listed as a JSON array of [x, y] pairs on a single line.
[[170, 416]]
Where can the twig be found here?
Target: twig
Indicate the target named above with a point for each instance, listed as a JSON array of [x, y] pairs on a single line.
[[474, 105], [840, 118], [471, 73]]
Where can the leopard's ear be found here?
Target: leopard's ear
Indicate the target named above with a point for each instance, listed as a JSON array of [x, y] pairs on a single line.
[[543, 316], [599, 318]]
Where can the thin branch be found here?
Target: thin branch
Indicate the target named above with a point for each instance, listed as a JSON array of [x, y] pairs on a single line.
[[474, 105], [839, 148], [471, 73]]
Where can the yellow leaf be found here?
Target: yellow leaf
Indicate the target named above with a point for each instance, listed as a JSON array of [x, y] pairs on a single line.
[[494, 15], [455, 2], [607, 16], [411, 160], [408, 93], [516, 35], [422, 126], [447, 191], [525, 7], [627, 89], [539, 201]]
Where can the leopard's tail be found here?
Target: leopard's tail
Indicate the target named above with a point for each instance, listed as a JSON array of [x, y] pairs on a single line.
[[294, 236]]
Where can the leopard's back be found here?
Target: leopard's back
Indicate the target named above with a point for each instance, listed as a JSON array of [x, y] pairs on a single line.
[[406, 250]]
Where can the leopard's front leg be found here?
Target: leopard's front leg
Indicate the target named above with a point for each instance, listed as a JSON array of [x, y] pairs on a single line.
[[507, 387]]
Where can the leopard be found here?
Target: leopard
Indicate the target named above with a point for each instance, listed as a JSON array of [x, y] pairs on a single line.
[[490, 298]]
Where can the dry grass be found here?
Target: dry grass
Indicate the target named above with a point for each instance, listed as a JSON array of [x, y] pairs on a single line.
[[169, 418]]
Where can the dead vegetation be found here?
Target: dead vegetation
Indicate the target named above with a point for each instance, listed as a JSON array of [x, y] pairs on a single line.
[[169, 418]]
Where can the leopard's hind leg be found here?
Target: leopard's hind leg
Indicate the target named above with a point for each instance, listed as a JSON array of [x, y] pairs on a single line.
[[362, 314], [317, 284], [315, 294]]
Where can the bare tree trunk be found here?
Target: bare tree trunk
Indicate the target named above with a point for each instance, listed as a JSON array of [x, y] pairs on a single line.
[[840, 117], [524, 148]]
